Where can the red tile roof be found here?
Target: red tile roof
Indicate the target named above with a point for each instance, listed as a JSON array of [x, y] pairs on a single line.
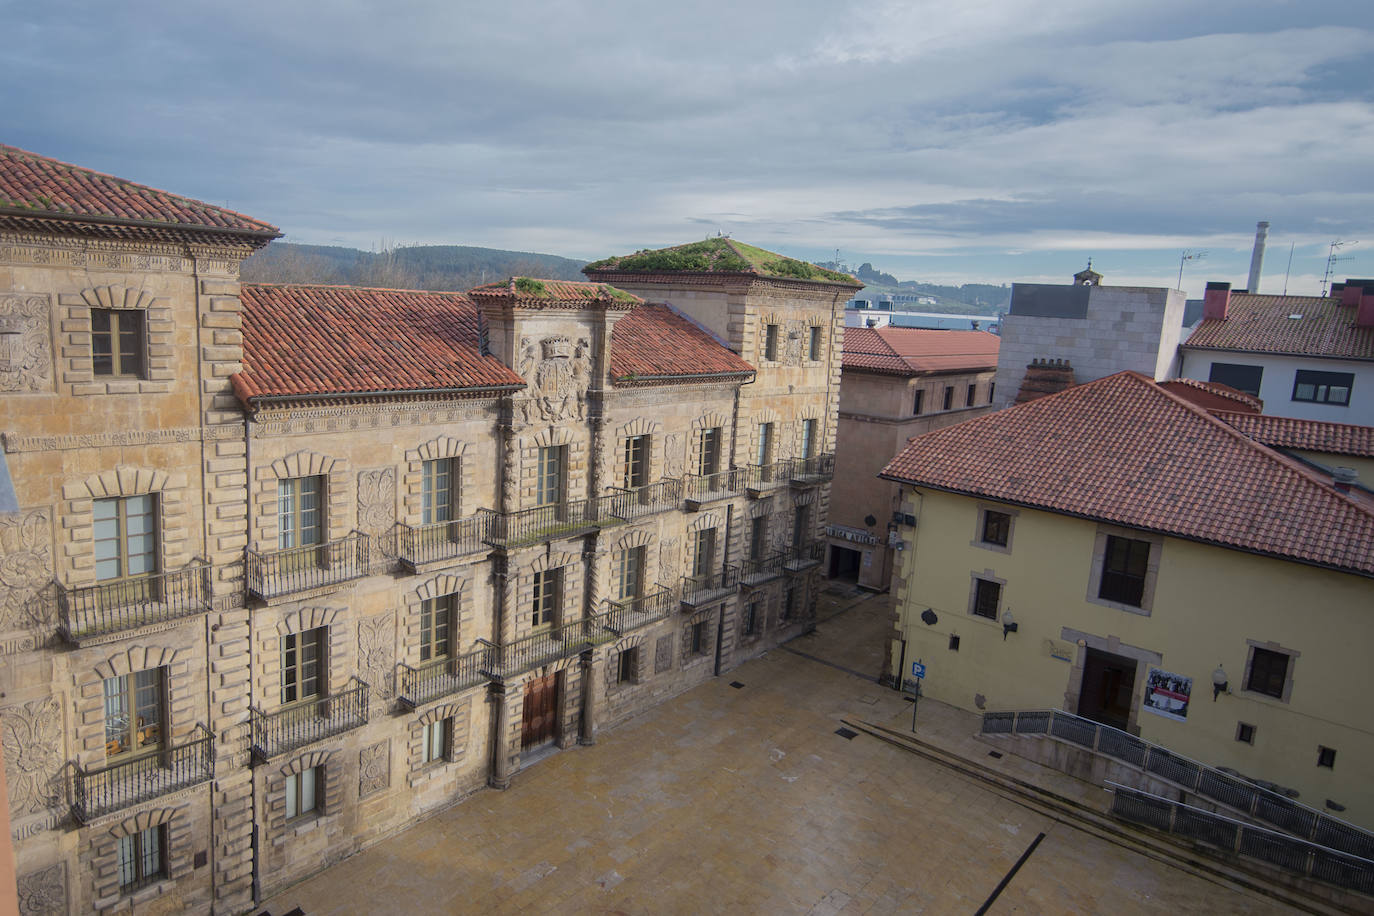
[[1121, 449], [556, 293], [1306, 435], [1262, 324], [915, 351], [312, 340], [654, 341], [1214, 395], [44, 187]]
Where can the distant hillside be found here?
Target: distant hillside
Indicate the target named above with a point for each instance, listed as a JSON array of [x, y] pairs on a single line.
[[972, 298], [432, 267]]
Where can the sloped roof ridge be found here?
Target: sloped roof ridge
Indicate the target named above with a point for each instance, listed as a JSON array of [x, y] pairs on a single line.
[[1276, 427], [361, 289]]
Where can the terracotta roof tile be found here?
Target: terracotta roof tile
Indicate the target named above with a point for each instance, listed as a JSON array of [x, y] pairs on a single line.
[[1214, 395], [654, 341], [913, 351], [1261, 324], [47, 187], [1124, 450], [1307, 435], [312, 340]]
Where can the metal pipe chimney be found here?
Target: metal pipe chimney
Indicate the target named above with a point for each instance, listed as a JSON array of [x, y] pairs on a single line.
[[1257, 258]]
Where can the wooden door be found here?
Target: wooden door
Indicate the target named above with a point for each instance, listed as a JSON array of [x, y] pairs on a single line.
[[1108, 682], [540, 723]]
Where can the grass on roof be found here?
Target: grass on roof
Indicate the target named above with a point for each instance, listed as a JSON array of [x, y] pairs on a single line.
[[720, 255], [530, 287]]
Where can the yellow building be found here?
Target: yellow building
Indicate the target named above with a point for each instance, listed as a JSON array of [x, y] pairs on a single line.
[[1112, 550]]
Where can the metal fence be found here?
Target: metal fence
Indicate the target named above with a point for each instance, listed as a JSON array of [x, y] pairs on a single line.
[[664, 496], [549, 645], [444, 676], [815, 468], [542, 523], [803, 556], [419, 544], [761, 569], [110, 607], [303, 723], [701, 487], [125, 783], [1293, 855], [1198, 778], [700, 589], [632, 613], [764, 476], [281, 572]]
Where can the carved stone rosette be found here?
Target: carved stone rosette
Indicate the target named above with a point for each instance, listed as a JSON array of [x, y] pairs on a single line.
[[25, 348], [374, 768], [376, 654], [32, 738], [25, 568], [44, 892], [377, 507]]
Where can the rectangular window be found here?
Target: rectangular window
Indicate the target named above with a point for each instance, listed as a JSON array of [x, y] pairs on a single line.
[[1123, 571], [991, 387], [436, 738], [436, 619], [916, 407], [438, 489], [996, 528], [949, 397], [703, 552], [708, 458], [140, 858], [629, 573], [813, 344], [300, 515], [625, 666], [125, 537], [1323, 387], [953, 643], [698, 638], [133, 712], [1326, 757], [302, 655], [1245, 732], [1268, 673], [764, 456], [1243, 378], [789, 603], [550, 483], [810, 443], [547, 585], [636, 462], [303, 792], [117, 342], [801, 525], [770, 342], [758, 537], [986, 596], [751, 618]]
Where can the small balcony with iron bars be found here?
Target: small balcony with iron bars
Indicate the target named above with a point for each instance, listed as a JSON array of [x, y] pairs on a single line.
[[701, 489], [101, 612], [762, 479], [509, 530], [124, 783], [627, 614], [291, 727], [441, 677], [419, 546], [631, 504], [699, 590], [550, 645], [801, 557], [811, 471], [759, 570], [275, 573]]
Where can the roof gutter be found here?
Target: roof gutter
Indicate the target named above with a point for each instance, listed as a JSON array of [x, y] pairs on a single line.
[[264, 234]]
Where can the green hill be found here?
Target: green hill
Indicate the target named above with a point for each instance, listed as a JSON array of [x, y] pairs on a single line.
[[430, 267]]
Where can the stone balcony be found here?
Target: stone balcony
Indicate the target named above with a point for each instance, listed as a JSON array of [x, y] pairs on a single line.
[[101, 612]]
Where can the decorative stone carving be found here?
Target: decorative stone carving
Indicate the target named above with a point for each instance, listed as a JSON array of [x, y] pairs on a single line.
[[673, 455], [668, 562], [797, 332], [510, 473], [374, 768], [32, 738], [25, 568], [663, 654], [558, 375], [376, 658], [25, 350], [44, 892], [377, 507]]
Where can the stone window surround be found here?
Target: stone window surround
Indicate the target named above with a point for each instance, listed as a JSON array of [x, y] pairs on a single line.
[[987, 575], [335, 671], [574, 470], [640, 426], [799, 434], [458, 714], [639, 675], [1144, 658], [329, 783], [773, 320], [175, 529], [1099, 558], [462, 622], [176, 855], [700, 426], [159, 332], [304, 463], [758, 421], [1293, 654], [463, 483], [981, 515], [707, 521], [648, 572], [569, 597], [820, 348], [179, 698], [708, 641]]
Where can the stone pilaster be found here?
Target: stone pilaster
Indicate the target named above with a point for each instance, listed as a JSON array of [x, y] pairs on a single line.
[[591, 696], [500, 739]]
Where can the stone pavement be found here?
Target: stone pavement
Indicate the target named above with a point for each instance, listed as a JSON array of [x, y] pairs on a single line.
[[744, 800]]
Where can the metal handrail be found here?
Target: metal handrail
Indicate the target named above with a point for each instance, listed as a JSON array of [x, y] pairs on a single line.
[[762, 476], [304, 723], [292, 569], [713, 486], [804, 554], [1255, 801], [444, 676], [638, 502], [758, 568], [543, 523], [126, 604], [624, 615], [700, 588], [815, 467], [419, 544], [549, 645], [123, 783]]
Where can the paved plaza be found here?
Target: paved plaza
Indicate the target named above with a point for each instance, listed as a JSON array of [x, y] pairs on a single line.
[[744, 800]]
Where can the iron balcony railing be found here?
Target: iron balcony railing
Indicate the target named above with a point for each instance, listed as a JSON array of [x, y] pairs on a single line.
[[1198, 778], [124, 783], [441, 677], [1298, 857], [303, 723], [759, 477], [421, 544], [806, 471], [804, 556], [110, 607], [548, 646], [700, 589], [706, 487], [760, 569], [560, 520], [632, 613], [273, 573], [638, 502]]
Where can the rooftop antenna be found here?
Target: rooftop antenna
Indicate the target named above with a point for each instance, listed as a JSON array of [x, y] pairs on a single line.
[[1331, 259], [1290, 267], [1188, 255]]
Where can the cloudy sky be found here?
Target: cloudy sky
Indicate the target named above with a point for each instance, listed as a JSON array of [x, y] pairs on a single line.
[[982, 140]]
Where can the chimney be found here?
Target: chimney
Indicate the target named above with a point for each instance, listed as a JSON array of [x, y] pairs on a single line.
[[1365, 316], [1257, 258], [1344, 478], [1215, 300], [1044, 377], [1350, 291]]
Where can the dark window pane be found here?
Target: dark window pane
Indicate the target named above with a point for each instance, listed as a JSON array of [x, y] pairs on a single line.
[[985, 598], [1244, 378], [1123, 571], [1268, 673]]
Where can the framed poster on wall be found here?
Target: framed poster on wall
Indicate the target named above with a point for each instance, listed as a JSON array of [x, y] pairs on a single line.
[[1168, 694]]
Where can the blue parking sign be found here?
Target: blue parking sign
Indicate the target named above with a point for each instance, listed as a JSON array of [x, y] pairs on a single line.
[[918, 669]]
